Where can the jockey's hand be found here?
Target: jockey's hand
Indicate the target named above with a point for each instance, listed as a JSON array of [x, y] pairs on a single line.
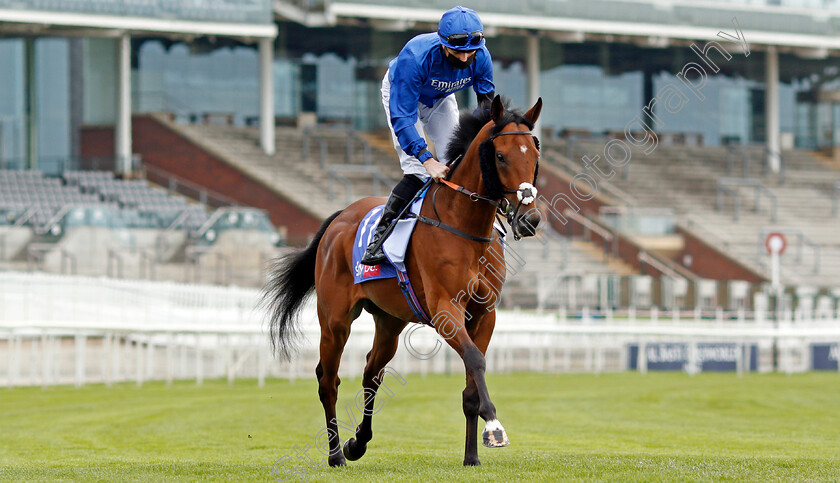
[[436, 169]]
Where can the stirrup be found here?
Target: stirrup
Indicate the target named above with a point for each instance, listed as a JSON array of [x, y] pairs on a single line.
[[371, 257], [390, 215]]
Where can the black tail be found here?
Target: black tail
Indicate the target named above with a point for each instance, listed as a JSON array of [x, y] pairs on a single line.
[[291, 281]]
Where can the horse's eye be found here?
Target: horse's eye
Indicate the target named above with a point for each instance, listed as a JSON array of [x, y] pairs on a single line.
[[500, 157]]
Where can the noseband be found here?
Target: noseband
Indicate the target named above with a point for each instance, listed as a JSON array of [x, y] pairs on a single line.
[[525, 194]]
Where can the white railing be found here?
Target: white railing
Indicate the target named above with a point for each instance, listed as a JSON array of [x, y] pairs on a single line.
[[77, 330]]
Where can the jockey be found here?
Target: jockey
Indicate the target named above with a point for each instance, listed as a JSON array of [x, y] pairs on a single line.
[[417, 93]]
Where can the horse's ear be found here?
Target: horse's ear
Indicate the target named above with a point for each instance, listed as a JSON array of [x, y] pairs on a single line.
[[534, 113], [497, 109]]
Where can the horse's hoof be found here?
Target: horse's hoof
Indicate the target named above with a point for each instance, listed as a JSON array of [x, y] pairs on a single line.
[[472, 462], [494, 435], [353, 451], [337, 460]]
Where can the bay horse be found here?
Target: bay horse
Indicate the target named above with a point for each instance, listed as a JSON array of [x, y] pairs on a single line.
[[457, 271]]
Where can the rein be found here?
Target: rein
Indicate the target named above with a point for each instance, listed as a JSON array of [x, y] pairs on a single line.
[[438, 223], [526, 195]]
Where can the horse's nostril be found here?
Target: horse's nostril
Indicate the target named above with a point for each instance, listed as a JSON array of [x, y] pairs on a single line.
[[527, 225]]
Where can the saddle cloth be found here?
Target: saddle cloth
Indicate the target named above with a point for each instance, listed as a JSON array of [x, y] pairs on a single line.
[[395, 245]]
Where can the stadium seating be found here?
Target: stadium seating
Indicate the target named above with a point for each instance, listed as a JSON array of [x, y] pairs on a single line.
[[29, 194], [90, 222], [553, 271], [317, 168], [714, 194]]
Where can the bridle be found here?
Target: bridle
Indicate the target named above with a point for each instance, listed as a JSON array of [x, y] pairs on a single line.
[[525, 194]]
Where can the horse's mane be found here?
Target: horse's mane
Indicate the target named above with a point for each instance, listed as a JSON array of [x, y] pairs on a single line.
[[468, 128], [469, 125]]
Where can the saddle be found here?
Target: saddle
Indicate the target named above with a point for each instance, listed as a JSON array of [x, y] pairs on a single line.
[[395, 246]]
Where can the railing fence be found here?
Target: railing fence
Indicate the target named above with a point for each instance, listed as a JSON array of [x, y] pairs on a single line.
[[77, 330]]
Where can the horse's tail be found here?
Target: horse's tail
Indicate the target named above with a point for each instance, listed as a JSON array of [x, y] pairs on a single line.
[[291, 282]]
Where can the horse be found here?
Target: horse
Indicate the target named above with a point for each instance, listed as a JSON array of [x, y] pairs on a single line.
[[454, 261]]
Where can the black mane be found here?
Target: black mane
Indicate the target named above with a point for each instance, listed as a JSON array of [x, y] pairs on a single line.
[[469, 126]]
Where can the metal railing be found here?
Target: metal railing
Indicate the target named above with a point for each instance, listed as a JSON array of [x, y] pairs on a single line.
[[381, 184], [54, 220], [332, 178], [231, 218], [734, 151], [27, 215], [178, 221], [37, 252], [571, 145], [589, 226], [57, 165], [575, 290], [176, 184], [307, 139], [697, 230], [766, 167], [552, 234], [208, 225], [192, 267], [564, 162], [725, 186], [644, 258], [311, 135], [339, 173], [53, 225], [116, 263], [351, 148]]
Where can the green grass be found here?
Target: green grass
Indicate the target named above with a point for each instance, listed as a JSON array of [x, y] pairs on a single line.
[[658, 427]]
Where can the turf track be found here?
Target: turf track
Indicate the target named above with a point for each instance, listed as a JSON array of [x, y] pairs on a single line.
[[658, 427]]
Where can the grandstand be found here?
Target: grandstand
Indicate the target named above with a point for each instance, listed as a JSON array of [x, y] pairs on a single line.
[[159, 159], [193, 142], [733, 203]]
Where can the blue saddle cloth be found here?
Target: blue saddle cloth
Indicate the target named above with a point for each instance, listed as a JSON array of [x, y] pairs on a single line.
[[395, 245]]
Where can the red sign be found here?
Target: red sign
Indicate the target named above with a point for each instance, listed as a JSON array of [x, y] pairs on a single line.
[[373, 271], [775, 243]]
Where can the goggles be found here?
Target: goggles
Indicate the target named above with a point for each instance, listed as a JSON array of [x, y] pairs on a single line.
[[462, 39]]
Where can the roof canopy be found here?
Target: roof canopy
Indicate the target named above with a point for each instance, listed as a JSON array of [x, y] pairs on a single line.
[[796, 24], [230, 18]]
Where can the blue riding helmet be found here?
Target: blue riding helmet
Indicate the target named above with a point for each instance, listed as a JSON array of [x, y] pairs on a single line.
[[461, 29]]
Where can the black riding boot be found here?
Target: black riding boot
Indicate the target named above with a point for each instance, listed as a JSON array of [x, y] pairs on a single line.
[[392, 208]]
